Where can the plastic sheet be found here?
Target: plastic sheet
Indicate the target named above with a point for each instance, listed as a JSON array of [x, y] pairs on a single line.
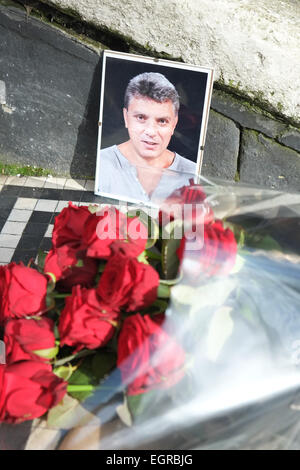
[[241, 335]]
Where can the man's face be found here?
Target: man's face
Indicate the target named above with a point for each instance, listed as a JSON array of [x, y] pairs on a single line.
[[150, 125]]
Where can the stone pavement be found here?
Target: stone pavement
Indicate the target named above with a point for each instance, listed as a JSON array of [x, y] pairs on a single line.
[[28, 206]]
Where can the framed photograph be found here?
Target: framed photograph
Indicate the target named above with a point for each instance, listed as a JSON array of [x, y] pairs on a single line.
[[152, 126]]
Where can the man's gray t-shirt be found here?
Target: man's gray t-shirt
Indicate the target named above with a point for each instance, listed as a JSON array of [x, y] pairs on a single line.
[[118, 177]]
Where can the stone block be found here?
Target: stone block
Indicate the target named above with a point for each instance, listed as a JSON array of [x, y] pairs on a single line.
[[246, 115], [221, 147], [52, 83], [291, 138], [264, 162]]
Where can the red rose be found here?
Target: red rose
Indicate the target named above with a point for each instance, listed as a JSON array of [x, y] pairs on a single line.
[[137, 237], [28, 390], [23, 337], [70, 225], [216, 256], [85, 321], [22, 291], [63, 263], [127, 283], [147, 356], [111, 226], [186, 203], [106, 226]]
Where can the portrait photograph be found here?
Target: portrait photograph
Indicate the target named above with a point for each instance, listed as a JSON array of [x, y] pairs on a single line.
[[152, 126]]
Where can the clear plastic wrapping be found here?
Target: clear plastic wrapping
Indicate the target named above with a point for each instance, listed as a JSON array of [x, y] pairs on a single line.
[[240, 331]]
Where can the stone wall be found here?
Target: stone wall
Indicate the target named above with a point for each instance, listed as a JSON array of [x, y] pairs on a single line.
[[49, 103], [252, 45], [246, 144]]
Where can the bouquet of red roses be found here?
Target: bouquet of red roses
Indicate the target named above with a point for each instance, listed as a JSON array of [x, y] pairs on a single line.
[[97, 302]]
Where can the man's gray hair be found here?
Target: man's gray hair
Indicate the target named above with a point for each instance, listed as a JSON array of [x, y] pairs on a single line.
[[152, 85]]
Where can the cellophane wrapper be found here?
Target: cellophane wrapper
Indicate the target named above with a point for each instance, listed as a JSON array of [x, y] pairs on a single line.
[[241, 335]]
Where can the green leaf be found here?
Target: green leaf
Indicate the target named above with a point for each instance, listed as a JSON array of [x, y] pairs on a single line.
[[47, 353], [138, 404], [171, 235], [79, 264], [41, 260], [82, 376], [170, 261], [64, 372], [90, 373], [261, 241], [50, 302], [238, 231], [160, 306], [152, 255], [142, 258], [101, 267], [150, 224], [103, 363]]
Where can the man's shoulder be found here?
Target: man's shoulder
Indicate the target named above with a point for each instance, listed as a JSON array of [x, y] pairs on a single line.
[[108, 151], [185, 165], [109, 155]]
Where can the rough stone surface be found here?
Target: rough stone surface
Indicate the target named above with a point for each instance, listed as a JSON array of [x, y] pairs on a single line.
[[253, 46], [244, 114], [49, 93], [264, 162], [291, 138], [52, 97], [2, 92], [221, 147]]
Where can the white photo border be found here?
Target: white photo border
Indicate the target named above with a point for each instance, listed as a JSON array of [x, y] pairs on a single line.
[[162, 62]]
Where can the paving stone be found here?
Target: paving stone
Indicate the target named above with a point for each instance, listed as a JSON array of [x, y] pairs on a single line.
[[46, 205], [266, 163], [75, 184], [6, 254], [49, 231], [56, 183], [36, 181], [25, 203], [9, 241], [89, 185], [16, 180], [19, 215], [14, 228]]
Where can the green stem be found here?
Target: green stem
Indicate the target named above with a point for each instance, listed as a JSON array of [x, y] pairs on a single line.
[[152, 255], [80, 388], [61, 296], [163, 291], [86, 388], [84, 353]]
